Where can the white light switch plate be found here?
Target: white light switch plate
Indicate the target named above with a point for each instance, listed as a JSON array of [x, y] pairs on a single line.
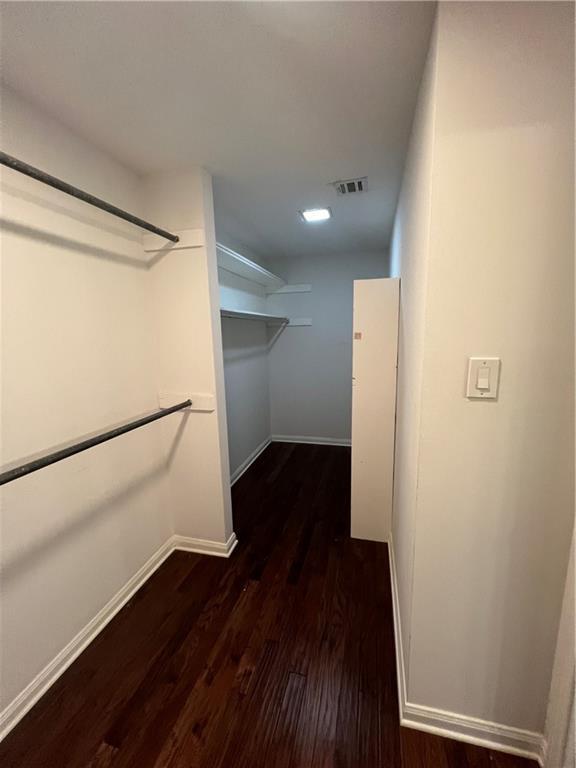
[[483, 378]]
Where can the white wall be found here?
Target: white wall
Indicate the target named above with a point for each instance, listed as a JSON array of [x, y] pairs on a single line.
[[76, 358], [409, 257], [90, 336], [245, 347], [238, 292], [484, 492], [188, 354], [311, 366], [296, 382]]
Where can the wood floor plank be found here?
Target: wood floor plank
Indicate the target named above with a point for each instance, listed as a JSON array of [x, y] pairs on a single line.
[[283, 744], [279, 657]]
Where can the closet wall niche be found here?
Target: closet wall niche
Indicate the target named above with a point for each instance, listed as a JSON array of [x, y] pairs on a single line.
[[288, 346], [255, 310]]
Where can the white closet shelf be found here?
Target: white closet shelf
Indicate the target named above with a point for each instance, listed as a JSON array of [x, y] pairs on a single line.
[[240, 265], [243, 315]]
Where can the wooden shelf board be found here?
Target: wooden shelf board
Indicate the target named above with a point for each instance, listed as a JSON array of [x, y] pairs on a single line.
[[243, 315], [240, 265]]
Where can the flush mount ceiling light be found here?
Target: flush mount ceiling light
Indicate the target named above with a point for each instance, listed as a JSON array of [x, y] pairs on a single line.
[[313, 215]]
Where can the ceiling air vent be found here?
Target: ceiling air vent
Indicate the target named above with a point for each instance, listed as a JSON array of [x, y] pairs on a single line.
[[351, 186]]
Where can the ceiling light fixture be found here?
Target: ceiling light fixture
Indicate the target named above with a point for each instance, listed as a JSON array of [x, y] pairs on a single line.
[[312, 215]]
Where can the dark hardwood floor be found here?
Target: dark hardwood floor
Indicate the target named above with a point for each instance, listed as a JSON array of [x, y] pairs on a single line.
[[280, 657]]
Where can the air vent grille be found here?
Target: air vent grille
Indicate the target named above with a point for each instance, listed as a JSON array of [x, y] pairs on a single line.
[[351, 186]]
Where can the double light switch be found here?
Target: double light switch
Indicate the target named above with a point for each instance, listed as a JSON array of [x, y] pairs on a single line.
[[483, 376]]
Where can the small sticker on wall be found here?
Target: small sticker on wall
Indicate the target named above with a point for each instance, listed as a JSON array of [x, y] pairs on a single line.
[[357, 335]]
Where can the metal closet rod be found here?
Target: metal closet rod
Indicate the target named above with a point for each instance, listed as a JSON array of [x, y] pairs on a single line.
[[83, 445], [52, 181]]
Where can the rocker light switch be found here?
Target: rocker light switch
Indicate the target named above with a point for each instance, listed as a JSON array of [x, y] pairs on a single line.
[[483, 378], [483, 375]]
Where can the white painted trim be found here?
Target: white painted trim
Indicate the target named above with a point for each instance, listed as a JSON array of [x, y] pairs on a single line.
[[399, 646], [234, 262], [296, 288], [243, 314], [18, 707], [311, 440], [205, 547], [239, 471], [13, 713], [471, 730], [449, 724]]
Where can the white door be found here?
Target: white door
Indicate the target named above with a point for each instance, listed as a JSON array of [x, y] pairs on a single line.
[[375, 352]]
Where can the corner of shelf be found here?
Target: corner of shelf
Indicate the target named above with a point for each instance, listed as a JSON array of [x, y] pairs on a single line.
[[237, 314], [234, 262]]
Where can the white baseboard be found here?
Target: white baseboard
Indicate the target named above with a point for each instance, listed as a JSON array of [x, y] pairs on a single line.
[[205, 547], [15, 711], [311, 440], [471, 730], [247, 463], [239, 471], [448, 724], [399, 647]]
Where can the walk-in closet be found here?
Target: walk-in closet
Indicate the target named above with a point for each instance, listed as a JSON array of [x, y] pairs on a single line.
[[286, 384], [300, 334]]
